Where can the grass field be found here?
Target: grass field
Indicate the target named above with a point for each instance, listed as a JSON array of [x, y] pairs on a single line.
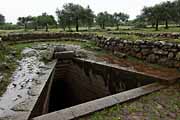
[[161, 105], [97, 29]]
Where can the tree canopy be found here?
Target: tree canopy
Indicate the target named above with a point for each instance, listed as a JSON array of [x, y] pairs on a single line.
[[164, 12], [120, 18], [74, 15], [2, 19], [37, 21]]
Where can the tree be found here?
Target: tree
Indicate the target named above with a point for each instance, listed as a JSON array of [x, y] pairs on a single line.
[[153, 15], [164, 12], [75, 15], [64, 19], [74, 11], [148, 16], [45, 20], [120, 18], [176, 11], [103, 19], [24, 21], [34, 22], [100, 19], [157, 13], [167, 12], [2, 19], [88, 17]]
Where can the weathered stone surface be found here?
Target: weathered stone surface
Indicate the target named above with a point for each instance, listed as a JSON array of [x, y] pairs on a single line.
[[29, 52], [119, 54], [65, 114], [65, 55], [81, 54], [25, 105], [47, 54], [145, 52], [151, 58], [59, 48], [178, 56], [170, 55]]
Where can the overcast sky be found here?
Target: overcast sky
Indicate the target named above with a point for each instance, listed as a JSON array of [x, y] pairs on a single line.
[[12, 9]]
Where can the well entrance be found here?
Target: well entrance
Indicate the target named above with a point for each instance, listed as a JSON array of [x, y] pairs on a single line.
[[78, 81]]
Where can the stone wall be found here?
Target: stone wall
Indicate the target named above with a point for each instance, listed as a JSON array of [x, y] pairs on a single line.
[[36, 36], [141, 34], [159, 52]]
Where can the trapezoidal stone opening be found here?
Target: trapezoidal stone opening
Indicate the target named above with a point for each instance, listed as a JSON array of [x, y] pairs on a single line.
[[78, 81]]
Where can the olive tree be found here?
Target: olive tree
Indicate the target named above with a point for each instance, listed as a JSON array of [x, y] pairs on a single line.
[[2, 19]]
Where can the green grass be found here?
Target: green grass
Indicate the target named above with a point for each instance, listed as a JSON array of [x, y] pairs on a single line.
[[97, 28], [163, 104], [8, 63], [135, 37]]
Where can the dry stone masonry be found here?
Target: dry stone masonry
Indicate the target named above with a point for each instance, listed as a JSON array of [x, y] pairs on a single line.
[[160, 35], [159, 52]]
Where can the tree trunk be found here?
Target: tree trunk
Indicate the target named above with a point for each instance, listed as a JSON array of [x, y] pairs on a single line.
[[25, 27], [64, 28], [35, 28], [166, 24], [153, 25], [77, 25], [89, 28], [46, 27], [157, 24], [103, 25], [117, 27], [69, 27]]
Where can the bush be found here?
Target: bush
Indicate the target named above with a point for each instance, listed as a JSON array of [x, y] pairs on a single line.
[[9, 26]]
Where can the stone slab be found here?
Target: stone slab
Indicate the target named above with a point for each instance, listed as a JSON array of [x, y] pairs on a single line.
[[64, 55]]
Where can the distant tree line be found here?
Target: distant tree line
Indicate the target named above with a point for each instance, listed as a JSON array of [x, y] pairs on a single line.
[[163, 13], [2, 19], [70, 16], [41, 21], [75, 15]]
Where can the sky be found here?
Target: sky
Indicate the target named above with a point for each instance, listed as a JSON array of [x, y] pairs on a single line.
[[12, 9]]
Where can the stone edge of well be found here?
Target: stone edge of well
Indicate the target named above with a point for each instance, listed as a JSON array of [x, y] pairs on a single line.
[[99, 104], [26, 116]]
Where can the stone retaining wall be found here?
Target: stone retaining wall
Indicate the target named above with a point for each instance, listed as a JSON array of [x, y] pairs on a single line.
[[161, 35], [158, 52], [36, 36]]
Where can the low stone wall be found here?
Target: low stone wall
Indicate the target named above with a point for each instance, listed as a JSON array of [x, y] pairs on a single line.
[[36, 36], [161, 35], [158, 52]]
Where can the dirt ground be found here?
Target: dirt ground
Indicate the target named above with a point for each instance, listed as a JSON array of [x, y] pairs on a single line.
[[140, 66]]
